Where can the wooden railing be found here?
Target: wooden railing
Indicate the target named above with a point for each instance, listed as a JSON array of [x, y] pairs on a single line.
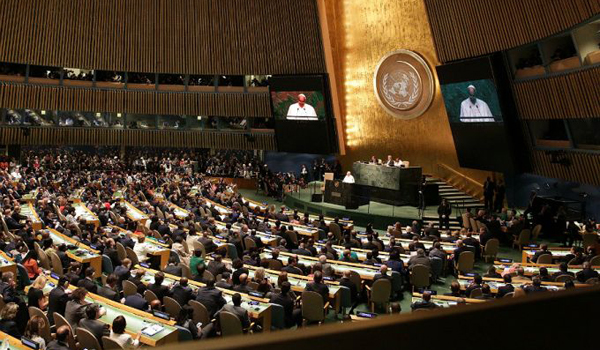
[[459, 180]]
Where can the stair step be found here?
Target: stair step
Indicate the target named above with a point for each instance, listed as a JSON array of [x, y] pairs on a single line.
[[456, 196], [470, 205], [451, 189]]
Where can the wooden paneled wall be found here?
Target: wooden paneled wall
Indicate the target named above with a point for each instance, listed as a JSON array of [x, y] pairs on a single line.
[[584, 167], [128, 101], [125, 137], [571, 95], [164, 36], [469, 28]]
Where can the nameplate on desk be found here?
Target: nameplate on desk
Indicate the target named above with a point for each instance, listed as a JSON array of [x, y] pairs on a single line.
[[505, 260], [257, 294], [161, 241], [145, 265], [161, 314], [366, 315], [532, 245], [54, 275], [30, 343], [336, 194]]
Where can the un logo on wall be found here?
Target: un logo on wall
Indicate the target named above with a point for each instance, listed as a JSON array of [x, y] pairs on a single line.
[[404, 84]]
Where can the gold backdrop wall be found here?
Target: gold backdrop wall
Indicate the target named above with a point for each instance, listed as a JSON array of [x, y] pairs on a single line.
[[361, 33]]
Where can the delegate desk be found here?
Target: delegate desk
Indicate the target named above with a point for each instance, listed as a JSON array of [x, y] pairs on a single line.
[[557, 253], [137, 320], [448, 247], [7, 264], [134, 213], [157, 248], [31, 196], [496, 283], [260, 312], [82, 212], [391, 185], [366, 272], [28, 210], [532, 269], [13, 343], [311, 232], [82, 253], [446, 300]]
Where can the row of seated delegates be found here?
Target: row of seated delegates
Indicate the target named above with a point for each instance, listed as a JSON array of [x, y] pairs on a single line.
[[576, 255], [505, 226], [388, 162]]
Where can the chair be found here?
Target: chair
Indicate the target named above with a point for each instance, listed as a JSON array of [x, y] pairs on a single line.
[[207, 275], [22, 276], [379, 293], [160, 214], [474, 226], [277, 317], [198, 245], [397, 283], [184, 334], [595, 261], [172, 307], [253, 285], [313, 307], [87, 340], [355, 278], [536, 232], [185, 271], [57, 266], [509, 295], [110, 344], [121, 253], [593, 280], [564, 278], [490, 250], [293, 236], [466, 220], [544, 259], [523, 239], [44, 261], [230, 324], [466, 260], [129, 288], [275, 265], [419, 276], [59, 321], [2, 303], [345, 299], [150, 296], [132, 256], [437, 267], [475, 293], [232, 252], [200, 312], [249, 243], [107, 266], [44, 332], [336, 230], [175, 256]]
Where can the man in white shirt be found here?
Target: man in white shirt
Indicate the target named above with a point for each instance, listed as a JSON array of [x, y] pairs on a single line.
[[475, 110], [349, 179], [301, 110], [141, 248]]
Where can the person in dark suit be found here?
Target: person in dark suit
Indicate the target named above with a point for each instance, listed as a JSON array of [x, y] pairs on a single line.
[[157, 287], [182, 292], [460, 247], [292, 267], [137, 279], [543, 250], [237, 310], [506, 288], [216, 266], [488, 193], [225, 281], [563, 270], [419, 259], [444, 212], [484, 236], [110, 290], [475, 284], [91, 323], [454, 290], [88, 282], [243, 286], [211, 298], [57, 299], [61, 341], [535, 286], [382, 274], [75, 309], [472, 242], [318, 286], [111, 252], [209, 245], [173, 269], [292, 316], [425, 303], [354, 292], [239, 269], [123, 271], [73, 275], [586, 273], [137, 300]]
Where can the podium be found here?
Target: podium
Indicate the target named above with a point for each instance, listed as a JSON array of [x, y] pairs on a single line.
[[351, 196]]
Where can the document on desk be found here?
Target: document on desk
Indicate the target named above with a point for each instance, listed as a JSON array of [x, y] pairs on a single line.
[[153, 330]]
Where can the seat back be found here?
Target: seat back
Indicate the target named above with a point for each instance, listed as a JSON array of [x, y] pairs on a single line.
[[593, 280], [59, 321], [473, 223], [230, 324], [491, 248], [184, 334], [2, 303], [253, 285], [509, 295], [312, 306], [381, 291], [589, 239], [419, 276], [87, 340], [466, 260], [207, 275], [185, 271], [160, 214], [150, 296], [132, 256], [200, 312], [232, 252], [345, 297], [536, 232], [277, 316], [397, 281], [198, 245], [293, 236], [129, 288], [121, 253], [107, 266], [44, 332], [437, 267], [524, 237], [476, 293], [44, 260], [564, 278], [249, 243], [355, 278], [595, 261], [175, 256], [544, 259], [57, 266], [172, 307], [110, 344], [336, 230], [466, 221], [275, 265], [23, 276]]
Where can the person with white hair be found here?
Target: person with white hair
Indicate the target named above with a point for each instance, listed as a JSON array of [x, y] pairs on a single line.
[[301, 110], [473, 109]]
